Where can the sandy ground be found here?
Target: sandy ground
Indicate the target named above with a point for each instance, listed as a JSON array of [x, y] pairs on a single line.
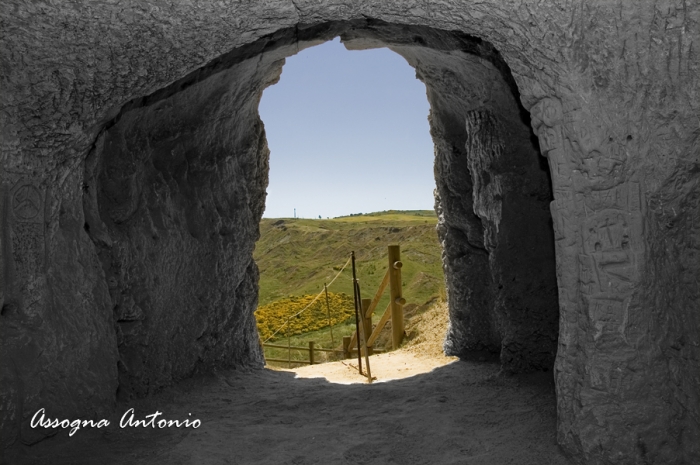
[[383, 367], [423, 408]]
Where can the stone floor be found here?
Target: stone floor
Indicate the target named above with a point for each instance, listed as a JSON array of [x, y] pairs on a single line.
[[460, 413]]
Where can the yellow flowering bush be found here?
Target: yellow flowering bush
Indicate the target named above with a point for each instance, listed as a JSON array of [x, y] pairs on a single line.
[[272, 316]]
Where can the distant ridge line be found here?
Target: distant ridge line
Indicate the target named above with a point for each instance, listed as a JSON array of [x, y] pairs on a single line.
[[421, 213]]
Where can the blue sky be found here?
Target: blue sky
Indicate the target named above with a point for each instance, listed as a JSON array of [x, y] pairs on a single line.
[[348, 133]]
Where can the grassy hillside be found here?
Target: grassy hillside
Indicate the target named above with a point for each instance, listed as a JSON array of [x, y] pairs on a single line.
[[296, 256]]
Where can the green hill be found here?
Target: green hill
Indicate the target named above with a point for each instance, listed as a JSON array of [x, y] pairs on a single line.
[[296, 256]]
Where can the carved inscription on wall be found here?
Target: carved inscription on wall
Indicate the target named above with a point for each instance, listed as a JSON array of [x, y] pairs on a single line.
[[26, 202], [547, 117], [586, 168], [580, 149], [610, 242], [612, 255], [600, 156], [605, 375], [598, 229]]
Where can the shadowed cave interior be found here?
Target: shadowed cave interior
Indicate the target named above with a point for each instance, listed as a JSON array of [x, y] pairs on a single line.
[[180, 176], [141, 274], [174, 189]]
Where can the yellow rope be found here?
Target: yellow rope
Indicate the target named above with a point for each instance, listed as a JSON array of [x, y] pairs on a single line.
[[310, 303]]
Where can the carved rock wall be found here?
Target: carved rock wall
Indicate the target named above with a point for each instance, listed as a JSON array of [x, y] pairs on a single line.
[[612, 91], [53, 308], [512, 196], [493, 194], [175, 192]]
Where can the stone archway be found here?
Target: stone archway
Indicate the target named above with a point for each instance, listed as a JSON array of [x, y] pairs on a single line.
[[626, 382], [177, 183]]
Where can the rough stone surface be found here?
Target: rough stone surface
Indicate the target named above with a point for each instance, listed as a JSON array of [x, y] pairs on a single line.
[[612, 92], [512, 199], [493, 196], [179, 188]]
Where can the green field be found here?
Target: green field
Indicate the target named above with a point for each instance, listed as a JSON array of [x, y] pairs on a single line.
[[297, 256]]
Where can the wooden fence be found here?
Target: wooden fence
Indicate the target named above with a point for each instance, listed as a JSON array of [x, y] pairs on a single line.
[[393, 311], [311, 350], [363, 343]]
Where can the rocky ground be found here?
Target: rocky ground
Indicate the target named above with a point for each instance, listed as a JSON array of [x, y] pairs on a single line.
[[422, 408]]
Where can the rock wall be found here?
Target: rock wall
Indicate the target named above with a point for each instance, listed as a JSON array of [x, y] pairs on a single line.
[[512, 199], [493, 195], [173, 194], [612, 92], [58, 346]]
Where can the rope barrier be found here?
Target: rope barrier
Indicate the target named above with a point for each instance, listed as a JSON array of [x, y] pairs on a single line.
[[310, 303]]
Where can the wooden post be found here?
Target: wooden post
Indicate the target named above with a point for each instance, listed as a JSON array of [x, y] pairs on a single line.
[[289, 348], [346, 346], [367, 322], [328, 309], [364, 337], [357, 312], [311, 352], [395, 299]]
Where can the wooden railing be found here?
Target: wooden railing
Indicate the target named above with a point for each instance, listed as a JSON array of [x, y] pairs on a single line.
[[364, 308], [311, 350]]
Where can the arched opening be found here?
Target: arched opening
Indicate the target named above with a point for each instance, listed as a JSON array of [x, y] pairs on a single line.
[[174, 189], [182, 170], [351, 168], [180, 180]]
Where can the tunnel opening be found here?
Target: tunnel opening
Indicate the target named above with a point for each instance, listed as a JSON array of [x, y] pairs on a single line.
[[349, 138], [611, 93], [176, 189]]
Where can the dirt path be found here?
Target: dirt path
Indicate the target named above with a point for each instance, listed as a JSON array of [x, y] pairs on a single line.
[[460, 413], [384, 367]]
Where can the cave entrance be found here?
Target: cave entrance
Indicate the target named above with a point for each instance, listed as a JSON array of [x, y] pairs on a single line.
[[349, 138], [493, 194], [180, 180]]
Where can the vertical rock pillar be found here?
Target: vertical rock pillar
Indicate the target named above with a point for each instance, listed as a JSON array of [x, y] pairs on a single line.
[[604, 370]]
